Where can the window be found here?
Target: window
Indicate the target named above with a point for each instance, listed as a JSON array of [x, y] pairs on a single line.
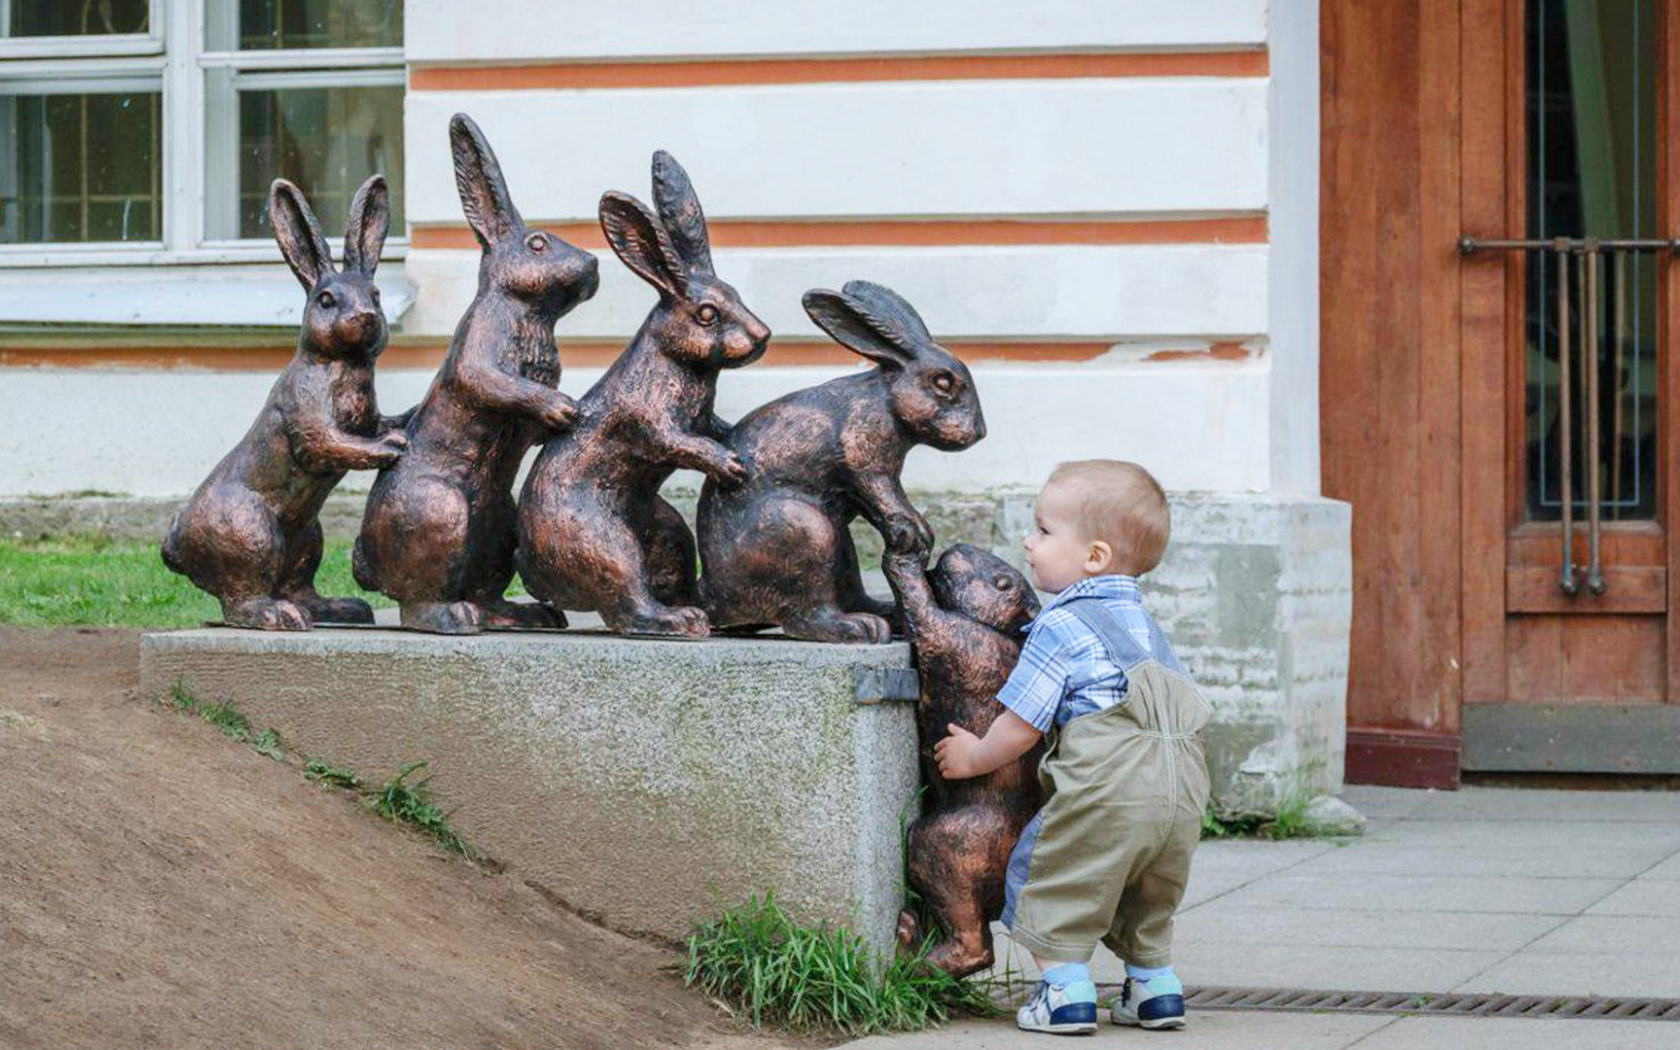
[[149, 130]]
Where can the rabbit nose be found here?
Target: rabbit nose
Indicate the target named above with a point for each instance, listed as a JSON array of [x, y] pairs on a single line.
[[979, 426]]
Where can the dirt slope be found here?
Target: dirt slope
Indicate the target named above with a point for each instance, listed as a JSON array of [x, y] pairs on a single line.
[[161, 886]]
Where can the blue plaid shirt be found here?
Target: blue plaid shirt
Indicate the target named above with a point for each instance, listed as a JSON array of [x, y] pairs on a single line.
[[1064, 670]]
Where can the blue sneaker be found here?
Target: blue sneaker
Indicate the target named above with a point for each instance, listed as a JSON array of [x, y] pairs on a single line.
[[1139, 1007], [1070, 1009]]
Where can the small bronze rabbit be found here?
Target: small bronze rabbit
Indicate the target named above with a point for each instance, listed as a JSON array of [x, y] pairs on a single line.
[[440, 527], [777, 550], [594, 532], [964, 620], [250, 534]]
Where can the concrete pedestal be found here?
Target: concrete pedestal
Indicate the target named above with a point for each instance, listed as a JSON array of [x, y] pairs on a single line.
[[644, 782]]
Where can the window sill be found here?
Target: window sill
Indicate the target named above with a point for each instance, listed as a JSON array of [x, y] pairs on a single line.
[[67, 256], [222, 296]]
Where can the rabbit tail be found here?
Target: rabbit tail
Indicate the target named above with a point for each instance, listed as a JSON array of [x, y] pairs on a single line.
[[171, 550], [359, 567]]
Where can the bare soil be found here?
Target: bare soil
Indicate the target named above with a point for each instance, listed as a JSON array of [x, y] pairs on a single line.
[[163, 886]]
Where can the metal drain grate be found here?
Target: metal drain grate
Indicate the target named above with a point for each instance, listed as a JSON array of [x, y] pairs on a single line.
[[1449, 1004]]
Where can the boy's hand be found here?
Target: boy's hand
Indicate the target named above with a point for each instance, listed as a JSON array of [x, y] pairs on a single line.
[[955, 754]]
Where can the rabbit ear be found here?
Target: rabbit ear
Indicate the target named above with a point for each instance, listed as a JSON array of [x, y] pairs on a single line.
[[369, 222], [298, 233], [889, 314], [842, 317], [638, 238], [679, 211], [484, 194]]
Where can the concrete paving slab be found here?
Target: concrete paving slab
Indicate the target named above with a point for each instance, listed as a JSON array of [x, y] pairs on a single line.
[[1385, 803], [1655, 897], [1223, 922], [1545, 862], [1424, 893], [1629, 933], [1314, 966], [1668, 869], [1255, 857], [1209, 887], [1618, 973], [1507, 804], [1508, 834], [1211, 1030], [1516, 1033]]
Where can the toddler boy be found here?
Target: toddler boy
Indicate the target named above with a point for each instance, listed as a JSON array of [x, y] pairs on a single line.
[[1108, 856]]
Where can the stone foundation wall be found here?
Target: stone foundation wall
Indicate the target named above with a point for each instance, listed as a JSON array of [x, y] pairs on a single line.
[[1255, 592]]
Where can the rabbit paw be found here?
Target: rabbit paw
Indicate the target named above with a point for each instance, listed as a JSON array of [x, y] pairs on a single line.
[[730, 471], [443, 617], [906, 540], [391, 447], [268, 614], [909, 930], [854, 628], [336, 610], [560, 413], [667, 621]]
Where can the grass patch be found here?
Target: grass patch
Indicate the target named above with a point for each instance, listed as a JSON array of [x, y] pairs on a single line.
[[1290, 822], [328, 775], [93, 581], [403, 803], [229, 720], [397, 800], [770, 970]]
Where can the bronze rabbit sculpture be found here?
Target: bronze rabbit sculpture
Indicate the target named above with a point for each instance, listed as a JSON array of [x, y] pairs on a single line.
[[777, 550], [964, 620], [440, 527], [250, 534], [594, 533]]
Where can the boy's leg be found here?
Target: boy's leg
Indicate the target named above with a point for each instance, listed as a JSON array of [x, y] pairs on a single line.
[[1142, 935]]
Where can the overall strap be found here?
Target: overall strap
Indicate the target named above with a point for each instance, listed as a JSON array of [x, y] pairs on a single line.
[[1105, 625], [1118, 642]]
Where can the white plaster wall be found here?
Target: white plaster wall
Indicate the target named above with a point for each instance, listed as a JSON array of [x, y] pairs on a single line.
[[547, 30], [1073, 147], [1066, 293], [1198, 425], [1292, 285]]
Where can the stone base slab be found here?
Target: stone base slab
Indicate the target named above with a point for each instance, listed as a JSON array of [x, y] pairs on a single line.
[[647, 783]]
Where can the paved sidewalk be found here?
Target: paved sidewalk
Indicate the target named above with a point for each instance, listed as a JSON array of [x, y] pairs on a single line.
[[1481, 890]]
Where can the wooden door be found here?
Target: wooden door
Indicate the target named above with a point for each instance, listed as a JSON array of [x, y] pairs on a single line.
[[1569, 650], [1440, 383]]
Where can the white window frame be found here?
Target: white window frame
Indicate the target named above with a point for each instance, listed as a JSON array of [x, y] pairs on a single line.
[[175, 52]]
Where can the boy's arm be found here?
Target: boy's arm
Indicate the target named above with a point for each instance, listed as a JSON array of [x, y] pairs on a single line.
[[962, 754], [1030, 698]]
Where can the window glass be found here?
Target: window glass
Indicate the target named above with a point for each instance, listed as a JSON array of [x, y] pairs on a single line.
[[325, 139], [74, 17], [80, 167], [266, 25], [1592, 172]]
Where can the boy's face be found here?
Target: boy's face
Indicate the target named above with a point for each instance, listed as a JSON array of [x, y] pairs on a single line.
[[1059, 554]]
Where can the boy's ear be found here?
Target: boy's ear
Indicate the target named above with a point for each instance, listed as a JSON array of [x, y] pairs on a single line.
[[1099, 558]]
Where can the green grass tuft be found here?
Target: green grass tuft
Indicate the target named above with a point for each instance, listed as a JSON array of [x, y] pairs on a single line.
[[329, 775], [404, 803], [93, 581], [758, 961]]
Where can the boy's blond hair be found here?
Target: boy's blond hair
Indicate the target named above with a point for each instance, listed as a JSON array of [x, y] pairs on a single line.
[[1122, 505]]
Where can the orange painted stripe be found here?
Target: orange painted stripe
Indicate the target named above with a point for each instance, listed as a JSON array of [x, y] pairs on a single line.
[[1239, 229], [1244, 63], [428, 355]]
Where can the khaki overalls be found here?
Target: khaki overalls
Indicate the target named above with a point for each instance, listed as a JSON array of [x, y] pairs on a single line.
[[1108, 856]]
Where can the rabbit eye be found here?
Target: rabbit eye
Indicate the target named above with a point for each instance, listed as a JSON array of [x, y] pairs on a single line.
[[1002, 583], [537, 242], [944, 382], [706, 314], [326, 299]]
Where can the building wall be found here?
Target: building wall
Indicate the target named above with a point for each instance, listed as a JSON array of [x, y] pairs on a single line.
[[1108, 209], [1078, 203]]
